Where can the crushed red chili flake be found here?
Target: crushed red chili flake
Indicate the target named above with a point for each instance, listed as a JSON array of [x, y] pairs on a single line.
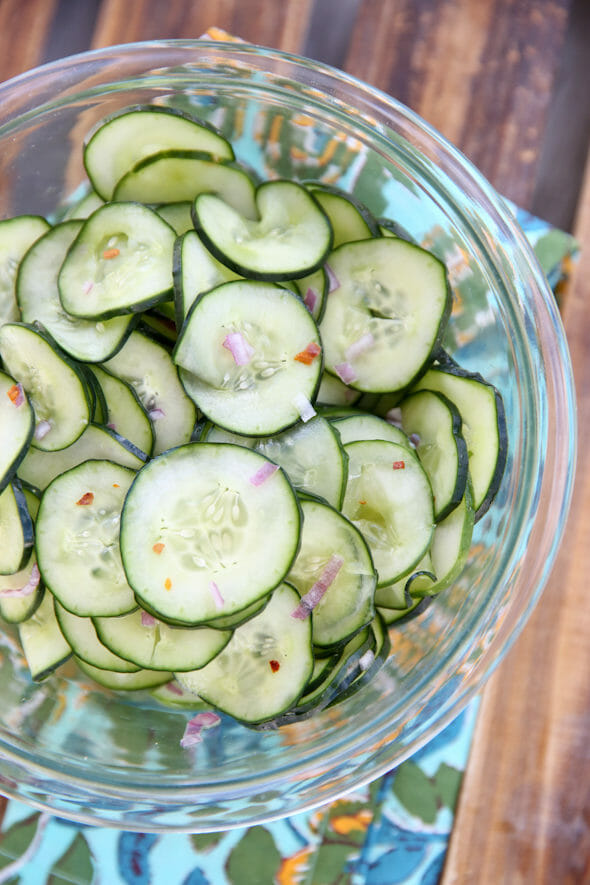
[[116, 485], [168, 584], [15, 395], [362, 502], [157, 548], [274, 666], [399, 465], [110, 253], [87, 498], [308, 355]]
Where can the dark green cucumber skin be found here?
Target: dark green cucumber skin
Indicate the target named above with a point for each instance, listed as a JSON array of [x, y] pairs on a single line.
[[26, 523], [363, 210], [246, 272], [142, 107], [462, 456], [450, 367], [367, 675], [396, 229], [12, 468]]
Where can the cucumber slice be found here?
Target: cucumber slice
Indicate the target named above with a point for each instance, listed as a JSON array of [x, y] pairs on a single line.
[[43, 643], [264, 667], [119, 263], [484, 427], [40, 468], [178, 215], [389, 499], [124, 681], [123, 139], [174, 176], [84, 207], [363, 426], [399, 594], [313, 289], [255, 392], [396, 297], [334, 392], [191, 530], [21, 593], [16, 529], [148, 368], [310, 454], [82, 637], [56, 386], [38, 298], [350, 220], [195, 271], [124, 412], [154, 645], [292, 238], [347, 604], [78, 553], [434, 422], [17, 424], [17, 235]]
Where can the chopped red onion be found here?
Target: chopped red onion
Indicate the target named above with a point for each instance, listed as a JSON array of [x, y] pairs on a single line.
[[192, 732], [216, 594], [365, 342], [42, 429], [148, 620], [345, 372], [111, 426], [314, 594], [333, 281], [239, 348], [263, 473], [156, 414], [415, 439], [304, 407], [394, 416], [28, 588], [173, 688], [16, 395], [87, 287], [311, 299]]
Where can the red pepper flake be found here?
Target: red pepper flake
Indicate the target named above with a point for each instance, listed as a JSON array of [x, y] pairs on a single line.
[[15, 395], [110, 253], [116, 485], [157, 548], [87, 498], [399, 465], [363, 503], [308, 355], [274, 666], [168, 584]]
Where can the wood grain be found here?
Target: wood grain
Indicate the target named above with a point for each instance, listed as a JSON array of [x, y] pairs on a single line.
[[24, 25], [524, 811], [481, 73]]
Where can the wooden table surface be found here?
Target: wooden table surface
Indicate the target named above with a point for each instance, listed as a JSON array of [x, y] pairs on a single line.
[[507, 82]]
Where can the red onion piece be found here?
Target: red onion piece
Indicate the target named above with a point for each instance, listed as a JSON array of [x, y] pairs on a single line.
[[16, 395], [148, 620], [263, 473], [239, 348], [345, 372], [311, 299], [333, 281], [216, 594], [314, 594], [394, 416], [304, 407], [192, 732], [156, 414], [87, 287], [173, 688], [42, 429], [28, 588], [362, 344]]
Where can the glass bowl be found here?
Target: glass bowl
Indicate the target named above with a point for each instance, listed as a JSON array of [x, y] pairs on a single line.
[[114, 759]]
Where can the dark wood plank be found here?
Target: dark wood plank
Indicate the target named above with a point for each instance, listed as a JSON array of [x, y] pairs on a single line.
[[481, 73], [524, 810], [282, 25], [24, 26], [71, 28], [330, 30]]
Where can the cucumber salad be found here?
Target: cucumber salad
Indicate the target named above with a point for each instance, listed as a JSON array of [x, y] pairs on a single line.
[[233, 452]]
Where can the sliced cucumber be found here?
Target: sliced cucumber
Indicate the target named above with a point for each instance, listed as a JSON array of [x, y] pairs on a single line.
[[38, 298], [155, 645], [347, 601], [55, 385], [124, 681], [148, 368], [174, 176], [16, 529], [349, 219], [120, 262], [292, 238], [364, 426], [484, 427], [125, 413], [389, 499], [17, 424], [395, 297], [195, 271], [242, 352], [190, 530], [334, 392], [178, 216], [43, 643], [85, 644], [21, 593], [264, 667], [78, 554], [123, 139], [434, 423], [17, 235]]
